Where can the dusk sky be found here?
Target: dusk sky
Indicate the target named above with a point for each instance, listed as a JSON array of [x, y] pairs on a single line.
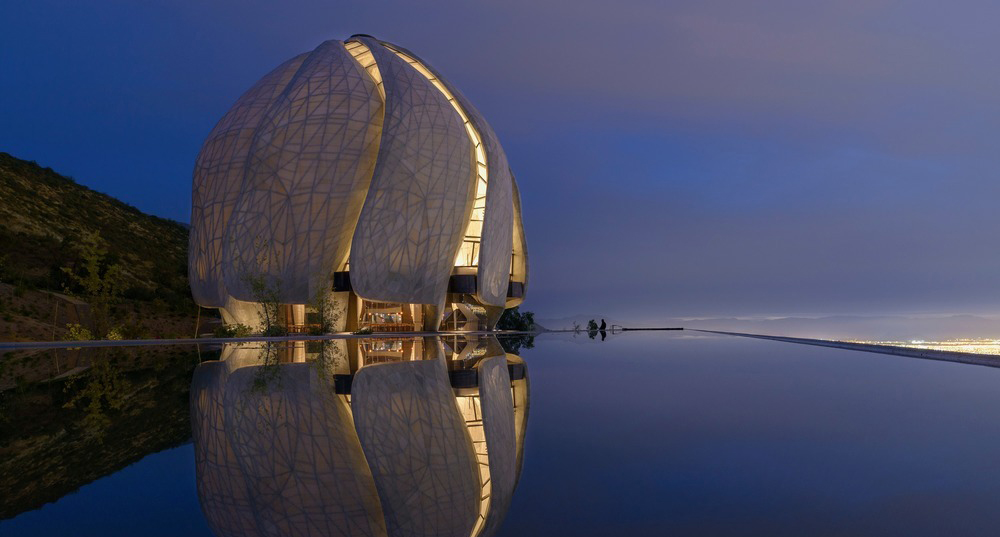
[[693, 158]]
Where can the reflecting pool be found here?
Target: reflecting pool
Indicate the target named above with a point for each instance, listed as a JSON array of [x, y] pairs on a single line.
[[642, 433]]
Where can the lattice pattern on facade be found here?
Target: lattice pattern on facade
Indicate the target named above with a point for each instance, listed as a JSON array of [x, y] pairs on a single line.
[[279, 449], [222, 488], [354, 151], [415, 214], [498, 427], [418, 448], [218, 179], [488, 239], [519, 257], [307, 175]]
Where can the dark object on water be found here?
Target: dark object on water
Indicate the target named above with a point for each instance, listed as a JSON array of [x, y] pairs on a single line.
[[604, 325]]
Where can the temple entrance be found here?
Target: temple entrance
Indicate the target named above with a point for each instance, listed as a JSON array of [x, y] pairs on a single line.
[[386, 316]]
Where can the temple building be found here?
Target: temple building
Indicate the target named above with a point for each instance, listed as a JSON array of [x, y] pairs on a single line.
[[412, 436], [352, 187]]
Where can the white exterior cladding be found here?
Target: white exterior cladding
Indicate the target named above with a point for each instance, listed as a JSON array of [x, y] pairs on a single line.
[[331, 158], [421, 195]]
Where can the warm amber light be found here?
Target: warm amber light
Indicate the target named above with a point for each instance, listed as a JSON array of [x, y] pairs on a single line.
[[364, 56], [468, 254]]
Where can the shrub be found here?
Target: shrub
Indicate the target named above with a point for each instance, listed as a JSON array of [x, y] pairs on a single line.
[[233, 330], [275, 330], [514, 319], [241, 330], [78, 333], [133, 330]]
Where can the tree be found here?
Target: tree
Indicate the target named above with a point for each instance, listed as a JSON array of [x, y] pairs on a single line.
[[514, 319], [268, 296], [514, 343], [328, 312], [94, 280], [266, 292]]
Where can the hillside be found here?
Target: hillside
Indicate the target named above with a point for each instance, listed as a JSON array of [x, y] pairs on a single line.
[[44, 215]]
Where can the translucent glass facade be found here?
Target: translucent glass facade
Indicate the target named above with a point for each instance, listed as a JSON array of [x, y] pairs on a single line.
[[356, 173]]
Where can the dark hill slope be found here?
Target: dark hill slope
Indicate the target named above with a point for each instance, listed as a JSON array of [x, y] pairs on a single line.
[[43, 214]]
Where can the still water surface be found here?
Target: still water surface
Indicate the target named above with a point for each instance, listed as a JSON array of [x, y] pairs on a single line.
[[645, 434]]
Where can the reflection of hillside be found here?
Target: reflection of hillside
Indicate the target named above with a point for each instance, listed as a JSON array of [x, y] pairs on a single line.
[[376, 437], [106, 410]]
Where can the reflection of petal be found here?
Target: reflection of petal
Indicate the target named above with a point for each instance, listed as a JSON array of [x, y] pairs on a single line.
[[222, 489], [297, 447], [498, 423], [520, 389], [418, 448]]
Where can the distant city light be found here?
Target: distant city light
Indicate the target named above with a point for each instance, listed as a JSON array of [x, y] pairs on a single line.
[[976, 346]]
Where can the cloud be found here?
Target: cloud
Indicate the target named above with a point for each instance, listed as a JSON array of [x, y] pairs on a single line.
[[681, 158]]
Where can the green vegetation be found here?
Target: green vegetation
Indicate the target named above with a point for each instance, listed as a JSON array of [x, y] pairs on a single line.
[[326, 317], [514, 319], [45, 216], [62, 237], [233, 330], [58, 434], [94, 280], [514, 343], [75, 332], [266, 292]]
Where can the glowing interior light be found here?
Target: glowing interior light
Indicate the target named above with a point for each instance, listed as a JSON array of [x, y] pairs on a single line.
[[364, 56], [471, 408], [468, 254]]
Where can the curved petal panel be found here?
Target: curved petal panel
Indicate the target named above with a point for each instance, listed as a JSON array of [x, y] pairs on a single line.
[[519, 263], [414, 217], [218, 177], [307, 175], [497, 241], [493, 273], [236, 311], [418, 448], [498, 424], [300, 454]]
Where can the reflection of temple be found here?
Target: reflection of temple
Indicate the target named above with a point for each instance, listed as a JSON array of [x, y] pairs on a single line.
[[411, 436]]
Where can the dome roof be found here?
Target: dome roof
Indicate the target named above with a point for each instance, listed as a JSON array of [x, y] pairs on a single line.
[[357, 152]]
